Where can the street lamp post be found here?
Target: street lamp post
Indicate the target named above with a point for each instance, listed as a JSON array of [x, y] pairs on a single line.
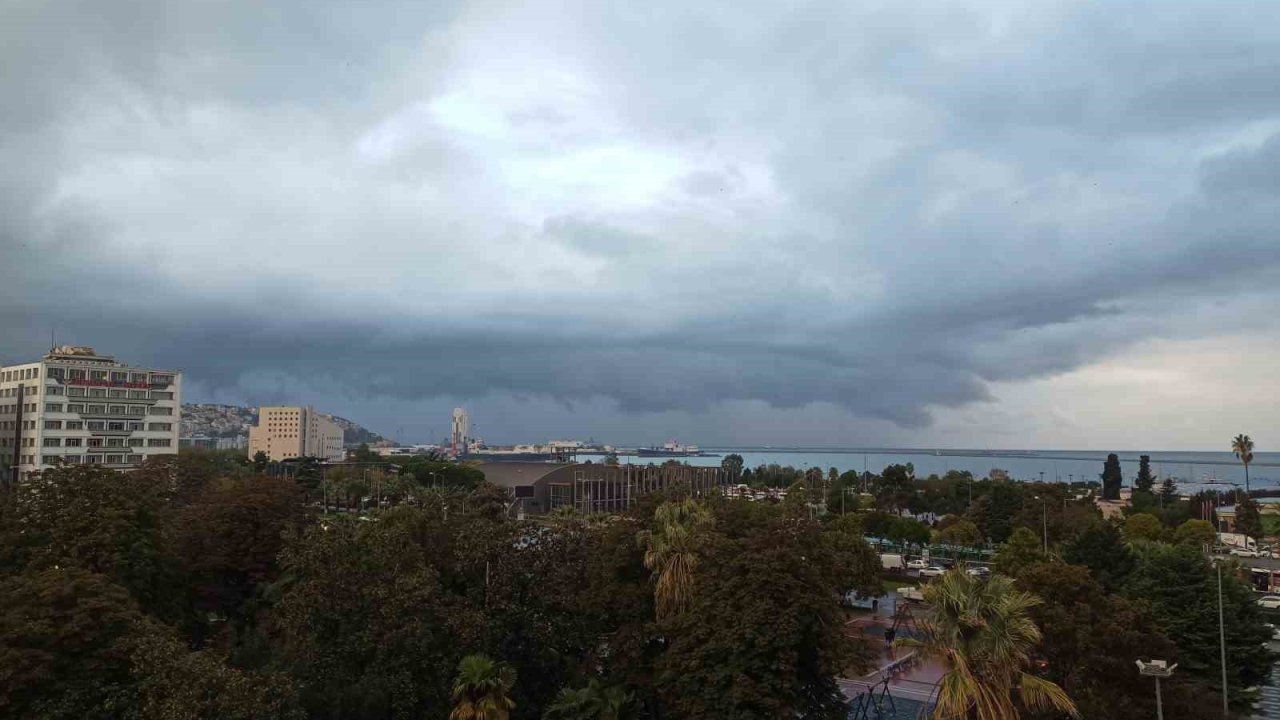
[[1157, 669], [1222, 640], [1044, 520]]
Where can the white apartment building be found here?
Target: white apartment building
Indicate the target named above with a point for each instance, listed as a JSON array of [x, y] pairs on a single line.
[[75, 406], [290, 432]]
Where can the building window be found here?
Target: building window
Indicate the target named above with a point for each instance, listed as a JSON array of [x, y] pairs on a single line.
[[71, 459], [97, 374], [136, 410], [155, 442], [138, 377], [135, 442], [53, 390], [56, 373], [93, 442], [75, 408], [96, 410], [161, 411], [52, 424], [160, 427], [119, 377], [115, 459], [97, 392], [115, 426], [115, 410], [118, 393], [53, 407], [72, 442], [161, 395], [75, 374], [49, 459], [115, 442], [75, 392], [97, 425], [135, 426], [75, 425], [51, 442], [137, 394], [134, 459], [161, 380]]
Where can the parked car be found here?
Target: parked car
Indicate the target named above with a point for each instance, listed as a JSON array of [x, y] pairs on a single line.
[[932, 571], [979, 571], [1244, 552], [917, 565], [1271, 602]]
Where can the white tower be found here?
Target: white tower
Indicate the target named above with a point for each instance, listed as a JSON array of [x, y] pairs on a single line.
[[460, 435]]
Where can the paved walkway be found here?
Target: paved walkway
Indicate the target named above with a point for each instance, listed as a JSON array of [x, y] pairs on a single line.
[[1268, 707]]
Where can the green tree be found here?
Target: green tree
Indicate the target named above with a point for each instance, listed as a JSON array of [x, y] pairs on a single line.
[[985, 633], [363, 454], [1102, 549], [1145, 480], [611, 459], [895, 487], [75, 645], [1143, 526], [592, 702], [1242, 447], [1196, 533], [671, 551], [1180, 586], [1248, 519], [226, 543], [1091, 638], [1168, 493], [908, 530], [481, 690], [103, 521], [994, 510], [1112, 477], [363, 617], [756, 639], [260, 461], [732, 465], [961, 532], [1020, 551]]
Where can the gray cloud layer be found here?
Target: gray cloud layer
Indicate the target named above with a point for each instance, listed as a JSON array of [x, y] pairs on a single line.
[[650, 210]]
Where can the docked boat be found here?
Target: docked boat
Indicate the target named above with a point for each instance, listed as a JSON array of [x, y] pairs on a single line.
[[669, 449]]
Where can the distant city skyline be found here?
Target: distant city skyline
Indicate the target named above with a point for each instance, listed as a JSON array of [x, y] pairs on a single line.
[[933, 225]]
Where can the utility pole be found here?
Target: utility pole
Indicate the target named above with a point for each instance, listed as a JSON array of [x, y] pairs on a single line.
[[1222, 642]]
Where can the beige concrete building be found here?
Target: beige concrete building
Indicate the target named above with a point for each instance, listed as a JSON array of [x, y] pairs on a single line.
[[290, 432], [77, 407]]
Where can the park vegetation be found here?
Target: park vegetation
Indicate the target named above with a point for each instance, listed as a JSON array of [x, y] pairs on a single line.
[[209, 586]]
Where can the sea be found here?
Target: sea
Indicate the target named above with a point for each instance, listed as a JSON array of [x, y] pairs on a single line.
[[1192, 471]]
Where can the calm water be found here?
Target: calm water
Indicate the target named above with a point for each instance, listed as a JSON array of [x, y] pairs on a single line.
[[1189, 469]]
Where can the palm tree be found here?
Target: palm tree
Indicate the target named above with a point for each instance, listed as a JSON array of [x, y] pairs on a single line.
[[593, 702], [671, 552], [480, 690], [983, 631], [1242, 446]]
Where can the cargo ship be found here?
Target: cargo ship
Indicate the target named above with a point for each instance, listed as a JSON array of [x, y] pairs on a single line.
[[670, 449]]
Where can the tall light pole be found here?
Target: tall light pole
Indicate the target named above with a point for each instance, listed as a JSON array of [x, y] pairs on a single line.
[[1157, 669], [1222, 640], [1044, 520]]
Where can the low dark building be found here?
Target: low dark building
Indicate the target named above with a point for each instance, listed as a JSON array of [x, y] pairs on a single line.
[[592, 488]]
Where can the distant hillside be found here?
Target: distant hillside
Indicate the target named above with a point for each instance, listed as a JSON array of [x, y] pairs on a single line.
[[214, 420]]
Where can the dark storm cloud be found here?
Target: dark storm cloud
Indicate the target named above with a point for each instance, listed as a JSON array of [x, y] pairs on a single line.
[[883, 209]]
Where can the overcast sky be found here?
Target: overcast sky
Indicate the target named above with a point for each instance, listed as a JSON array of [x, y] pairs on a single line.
[[925, 224]]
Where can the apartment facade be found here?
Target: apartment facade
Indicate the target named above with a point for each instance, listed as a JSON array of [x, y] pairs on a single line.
[[291, 432], [76, 407]]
